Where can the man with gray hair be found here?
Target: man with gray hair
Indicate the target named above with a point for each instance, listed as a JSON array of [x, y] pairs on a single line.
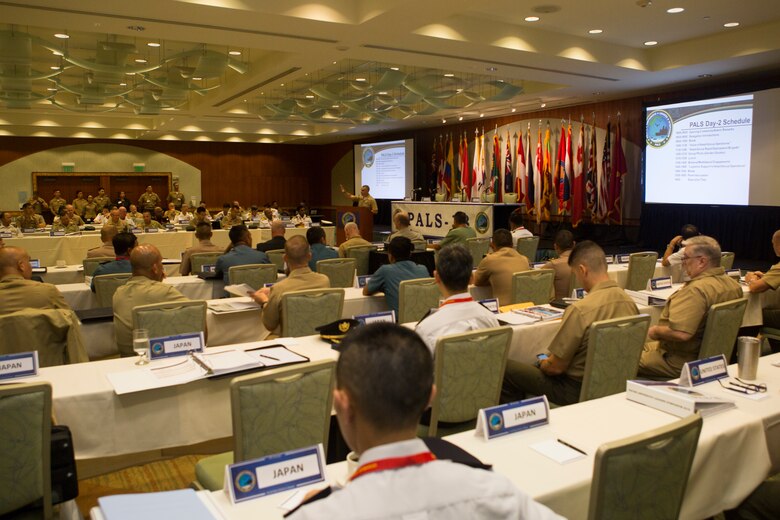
[[403, 228], [353, 239], [679, 332], [107, 234]]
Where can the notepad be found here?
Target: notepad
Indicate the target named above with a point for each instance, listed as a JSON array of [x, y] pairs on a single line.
[[183, 503], [240, 289], [556, 451]]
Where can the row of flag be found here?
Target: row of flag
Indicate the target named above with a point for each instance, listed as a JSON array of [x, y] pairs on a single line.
[[572, 184]]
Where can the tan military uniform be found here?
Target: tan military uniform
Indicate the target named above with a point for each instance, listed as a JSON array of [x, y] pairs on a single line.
[[686, 311], [56, 203], [171, 215], [16, 294], [104, 251], [153, 225], [366, 202], [177, 198], [148, 201], [139, 290], [298, 280], [231, 220], [38, 204], [70, 228], [101, 202], [24, 222], [90, 210], [408, 232], [204, 246], [79, 205], [496, 270], [352, 242], [772, 277], [562, 274], [77, 220]]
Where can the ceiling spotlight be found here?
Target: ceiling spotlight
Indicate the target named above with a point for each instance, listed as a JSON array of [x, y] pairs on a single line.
[[196, 78], [443, 120], [54, 67], [595, 31], [51, 89], [383, 93], [460, 118], [481, 115], [360, 79], [153, 44], [675, 10], [651, 43], [140, 60], [309, 96], [391, 68], [123, 84], [57, 53], [731, 24], [61, 36], [543, 105], [514, 110], [449, 75], [531, 18], [234, 53]]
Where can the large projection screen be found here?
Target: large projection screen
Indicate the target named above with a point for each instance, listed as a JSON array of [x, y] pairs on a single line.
[[386, 167]]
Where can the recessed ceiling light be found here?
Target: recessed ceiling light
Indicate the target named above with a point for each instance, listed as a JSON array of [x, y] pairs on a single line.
[[531, 18], [130, 73], [543, 105], [54, 67], [381, 93], [481, 115], [675, 10], [334, 106], [61, 36], [153, 44], [57, 53], [196, 78], [449, 75], [460, 118], [234, 53], [651, 43], [123, 84], [52, 89], [281, 84], [391, 68], [595, 31], [360, 79], [140, 60], [309, 96], [731, 24], [443, 120], [514, 110]]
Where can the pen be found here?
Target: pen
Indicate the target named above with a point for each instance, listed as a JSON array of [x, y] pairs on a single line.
[[263, 347], [570, 446], [268, 357]]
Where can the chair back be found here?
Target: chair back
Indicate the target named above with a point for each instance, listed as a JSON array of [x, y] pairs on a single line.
[[198, 260], [91, 264], [727, 260], [527, 247], [170, 318], [614, 349], [416, 298], [468, 372], [282, 409], [254, 275], [25, 447], [534, 286], [720, 332], [641, 267], [340, 271], [478, 247], [419, 244], [106, 285], [304, 311], [658, 463], [276, 256], [54, 333], [360, 254]]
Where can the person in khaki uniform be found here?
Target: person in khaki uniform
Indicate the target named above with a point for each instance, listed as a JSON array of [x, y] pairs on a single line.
[[403, 228], [38, 203], [297, 255], [149, 223], [18, 291], [234, 217], [171, 213], [28, 219], [102, 200], [679, 331], [107, 234], [459, 234], [70, 210], [759, 282], [90, 210], [563, 243], [148, 200], [497, 268], [203, 234], [56, 202], [65, 224], [353, 239], [176, 196], [79, 203], [364, 200], [559, 377], [144, 288], [134, 214]]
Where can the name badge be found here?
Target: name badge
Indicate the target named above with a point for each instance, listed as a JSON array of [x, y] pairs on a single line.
[[623, 259], [665, 282], [184, 222], [29, 230], [579, 293], [57, 234], [363, 280], [208, 268], [274, 473], [179, 345], [490, 304], [377, 317], [151, 230], [23, 364], [504, 419], [138, 231], [704, 371], [6, 235], [315, 224], [610, 259]]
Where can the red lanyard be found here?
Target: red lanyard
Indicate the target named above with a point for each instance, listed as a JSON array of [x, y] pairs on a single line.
[[394, 463], [456, 300]]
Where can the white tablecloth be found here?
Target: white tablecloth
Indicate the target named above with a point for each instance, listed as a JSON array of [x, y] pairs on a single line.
[[75, 273], [80, 297]]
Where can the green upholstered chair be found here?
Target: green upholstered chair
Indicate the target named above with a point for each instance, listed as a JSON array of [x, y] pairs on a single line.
[[304, 311], [527, 247], [641, 267], [91, 264], [614, 349], [535, 285], [106, 285], [468, 372], [54, 333], [645, 476], [276, 256], [419, 244], [416, 298], [168, 319], [478, 247], [727, 260], [360, 254], [720, 332], [340, 271], [198, 260], [25, 449], [274, 411], [254, 275]]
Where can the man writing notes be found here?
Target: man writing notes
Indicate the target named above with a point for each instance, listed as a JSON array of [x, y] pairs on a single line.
[[679, 331], [353, 239], [459, 233], [384, 381], [559, 377], [459, 312], [388, 277], [497, 268], [364, 200], [297, 255]]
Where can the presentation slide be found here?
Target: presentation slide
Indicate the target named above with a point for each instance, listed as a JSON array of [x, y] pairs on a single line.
[[387, 168]]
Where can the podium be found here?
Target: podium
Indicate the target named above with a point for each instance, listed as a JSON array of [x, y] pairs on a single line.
[[357, 214]]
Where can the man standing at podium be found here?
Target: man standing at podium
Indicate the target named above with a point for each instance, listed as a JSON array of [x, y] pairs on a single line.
[[363, 200]]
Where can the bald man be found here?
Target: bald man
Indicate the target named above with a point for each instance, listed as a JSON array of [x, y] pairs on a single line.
[[277, 238], [297, 255], [17, 291], [144, 288], [353, 239]]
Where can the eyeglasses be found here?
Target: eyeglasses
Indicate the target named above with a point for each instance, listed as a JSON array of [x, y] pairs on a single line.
[[743, 387], [686, 258]]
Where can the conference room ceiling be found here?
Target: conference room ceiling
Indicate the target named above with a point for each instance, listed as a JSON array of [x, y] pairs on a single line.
[[299, 71]]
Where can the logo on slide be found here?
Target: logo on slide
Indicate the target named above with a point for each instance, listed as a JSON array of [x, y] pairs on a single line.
[[658, 129], [368, 157]]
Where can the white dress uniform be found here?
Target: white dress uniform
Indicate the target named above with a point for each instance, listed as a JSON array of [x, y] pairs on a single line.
[[458, 313]]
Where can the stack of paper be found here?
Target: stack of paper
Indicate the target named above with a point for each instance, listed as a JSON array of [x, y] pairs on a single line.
[[676, 400], [183, 503]]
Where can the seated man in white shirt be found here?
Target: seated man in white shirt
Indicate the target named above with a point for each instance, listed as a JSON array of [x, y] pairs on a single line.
[[384, 381], [459, 312], [185, 216], [7, 225], [517, 229]]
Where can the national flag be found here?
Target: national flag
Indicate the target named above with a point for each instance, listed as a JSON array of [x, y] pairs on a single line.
[[590, 176], [521, 181], [619, 170], [440, 155], [449, 165], [435, 165], [577, 192], [548, 194], [495, 186], [560, 171], [603, 179], [465, 174], [567, 172], [538, 178], [479, 162], [509, 178]]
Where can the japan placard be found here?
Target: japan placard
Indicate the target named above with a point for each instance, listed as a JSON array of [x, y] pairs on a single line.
[[504, 419], [178, 345]]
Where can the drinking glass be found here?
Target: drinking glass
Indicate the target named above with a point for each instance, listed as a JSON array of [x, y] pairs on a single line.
[[141, 345]]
